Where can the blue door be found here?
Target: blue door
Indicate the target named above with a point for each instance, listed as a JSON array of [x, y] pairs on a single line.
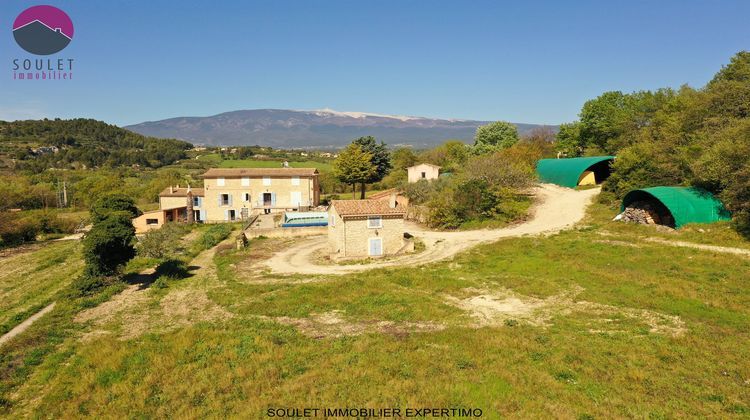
[[376, 246]]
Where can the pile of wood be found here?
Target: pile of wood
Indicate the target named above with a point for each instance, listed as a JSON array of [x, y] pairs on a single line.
[[642, 212]]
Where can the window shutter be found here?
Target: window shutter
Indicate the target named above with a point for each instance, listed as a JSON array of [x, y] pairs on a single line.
[[226, 214], [273, 199], [230, 200], [260, 200], [203, 215], [200, 201], [219, 199]]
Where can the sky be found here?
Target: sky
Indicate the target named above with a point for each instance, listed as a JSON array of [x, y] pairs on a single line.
[[520, 61]]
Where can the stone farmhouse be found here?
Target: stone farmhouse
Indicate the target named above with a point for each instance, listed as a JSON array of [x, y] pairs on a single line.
[[235, 194], [367, 228]]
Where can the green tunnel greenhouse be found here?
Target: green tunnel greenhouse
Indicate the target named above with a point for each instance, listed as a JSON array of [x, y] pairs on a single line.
[[571, 172], [679, 205]]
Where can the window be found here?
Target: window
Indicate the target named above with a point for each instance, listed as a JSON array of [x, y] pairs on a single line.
[[245, 196], [245, 181], [224, 200], [295, 180], [152, 222], [374, 222], [196, 202], [219, 182], [424, 174], [266, 180]]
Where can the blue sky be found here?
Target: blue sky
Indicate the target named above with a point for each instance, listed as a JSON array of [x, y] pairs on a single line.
[[522, 61]]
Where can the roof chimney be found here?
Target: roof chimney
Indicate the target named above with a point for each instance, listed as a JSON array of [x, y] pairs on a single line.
[[392, 201]]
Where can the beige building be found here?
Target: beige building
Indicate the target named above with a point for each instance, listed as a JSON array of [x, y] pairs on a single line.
[[234, 194], [367, 228], [426, 171], [173, 207]]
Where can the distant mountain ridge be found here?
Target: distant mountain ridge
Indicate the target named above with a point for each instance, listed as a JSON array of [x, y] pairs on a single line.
[[320, 129]]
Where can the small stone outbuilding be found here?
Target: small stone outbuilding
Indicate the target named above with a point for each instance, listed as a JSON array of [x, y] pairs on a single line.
[[367, 228], [426, 171]]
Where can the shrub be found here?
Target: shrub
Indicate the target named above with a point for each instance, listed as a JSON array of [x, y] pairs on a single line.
[[109, 244], [161, 243], [161, 283], [110, 203], [173, 268], [15, 232], [87, 285], [215, 234]]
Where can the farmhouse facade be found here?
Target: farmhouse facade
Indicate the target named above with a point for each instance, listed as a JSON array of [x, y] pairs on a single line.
[[426, 171], [233, 194], [367, 228]]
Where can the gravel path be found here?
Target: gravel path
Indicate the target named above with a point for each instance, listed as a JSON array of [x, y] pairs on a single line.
[[557, 209]]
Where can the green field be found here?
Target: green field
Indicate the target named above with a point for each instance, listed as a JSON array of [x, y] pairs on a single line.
[[605, 324], [32, 276]]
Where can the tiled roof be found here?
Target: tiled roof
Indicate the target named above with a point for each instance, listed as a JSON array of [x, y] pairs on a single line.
[[181, 192], [384, 194], [258, 172], [366, 207]]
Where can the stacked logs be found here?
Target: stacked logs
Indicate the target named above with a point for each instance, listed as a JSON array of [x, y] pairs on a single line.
[[642, 212]]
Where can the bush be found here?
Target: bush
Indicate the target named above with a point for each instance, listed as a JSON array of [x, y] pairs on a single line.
[[163, 242], [15, 232], [110, 203], [161, 283], [109, 245], [173, 268], [215, 234], [87, 285]]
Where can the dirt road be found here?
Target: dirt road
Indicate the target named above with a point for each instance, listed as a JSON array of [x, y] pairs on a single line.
[[557, 209]]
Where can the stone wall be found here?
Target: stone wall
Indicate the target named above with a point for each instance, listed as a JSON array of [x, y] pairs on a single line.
[[356, 236]]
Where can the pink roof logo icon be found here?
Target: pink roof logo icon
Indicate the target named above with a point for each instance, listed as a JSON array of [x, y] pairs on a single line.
[[43, 30]]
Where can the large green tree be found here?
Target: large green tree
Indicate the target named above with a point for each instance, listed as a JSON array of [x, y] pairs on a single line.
[[494, 137], [354, 166], [568, 140], [380, 158]]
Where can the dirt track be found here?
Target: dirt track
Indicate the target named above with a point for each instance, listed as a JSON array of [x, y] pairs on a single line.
[[557, 209]]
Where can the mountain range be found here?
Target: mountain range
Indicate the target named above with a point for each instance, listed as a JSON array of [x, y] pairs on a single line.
[[316, 129]]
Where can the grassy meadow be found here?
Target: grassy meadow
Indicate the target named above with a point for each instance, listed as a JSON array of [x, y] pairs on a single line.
[[397, 339], [32, 276]]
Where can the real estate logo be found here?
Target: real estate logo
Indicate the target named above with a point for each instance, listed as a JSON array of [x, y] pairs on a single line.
[[43, 30]]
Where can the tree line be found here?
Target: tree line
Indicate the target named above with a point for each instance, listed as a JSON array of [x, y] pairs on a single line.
[[685, 136], [84, 143]]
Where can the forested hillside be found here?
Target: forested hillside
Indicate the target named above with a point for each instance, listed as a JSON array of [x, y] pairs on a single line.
[[686, 136], [82, 143]]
